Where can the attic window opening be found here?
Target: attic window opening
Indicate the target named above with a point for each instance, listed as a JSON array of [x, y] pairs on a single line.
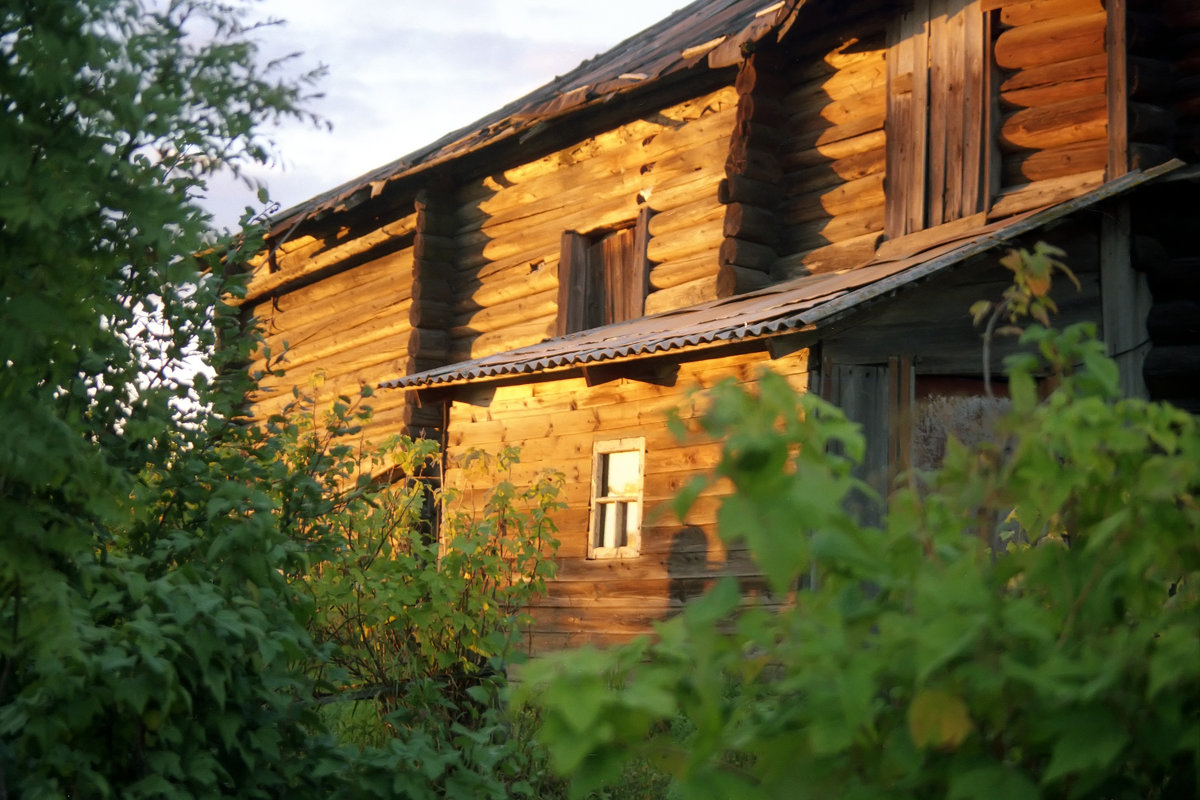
[[602, 276]]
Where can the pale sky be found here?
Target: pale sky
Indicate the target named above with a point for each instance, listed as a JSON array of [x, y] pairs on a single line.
[[402, 74]]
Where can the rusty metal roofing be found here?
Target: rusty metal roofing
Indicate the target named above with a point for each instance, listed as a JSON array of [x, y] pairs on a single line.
[[706, 32], [800, 304]]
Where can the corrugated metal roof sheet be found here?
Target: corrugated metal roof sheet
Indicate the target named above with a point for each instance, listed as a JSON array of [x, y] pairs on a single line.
[[794, 305], [709, 31]]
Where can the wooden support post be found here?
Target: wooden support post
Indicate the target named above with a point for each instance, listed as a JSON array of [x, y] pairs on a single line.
[[1125, 302]]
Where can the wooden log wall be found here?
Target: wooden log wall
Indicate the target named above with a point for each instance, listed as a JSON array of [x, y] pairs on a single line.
[[1053, 128], [555, 423], [335, 314], [833, 154], [510, 225], [1181, 32], [751, 191]]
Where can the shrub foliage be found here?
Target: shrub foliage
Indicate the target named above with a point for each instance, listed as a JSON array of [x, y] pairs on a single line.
[[917, 659]]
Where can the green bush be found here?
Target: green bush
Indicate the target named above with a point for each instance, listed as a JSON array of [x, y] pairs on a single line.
[[919, 661]]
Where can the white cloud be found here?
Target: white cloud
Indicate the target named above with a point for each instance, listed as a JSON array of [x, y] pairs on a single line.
[[403, 74]]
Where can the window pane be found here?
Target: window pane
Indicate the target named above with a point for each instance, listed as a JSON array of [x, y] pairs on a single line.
[[614, 525], [622, 475]]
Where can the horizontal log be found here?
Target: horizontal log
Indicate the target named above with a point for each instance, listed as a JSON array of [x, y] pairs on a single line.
[[759, 108], [430, 286], [1174, 321], [756, 164], [750, 223], [688, 215], [604, 206], [1027, 13], [502, 315], [1149, 122], [440, 249], [868, 76], [737, 189], [855, 146], [429, 343], [848, 254], [844, 198], [1049, 94], [367, 287], [522, 280], [486, 344], [750, 255], [832, 173], [725, 283], [811, 235], [431, 314], [1056, 72], [1056, 162], [437, 222], [823, 111], [1058, 39], [670, 274], [1056, 125], [685, 242], [515, 208], [684, 188], [367, 364], [820, 136], [851, 55], [332, 343], [659, 149], [265, 283]]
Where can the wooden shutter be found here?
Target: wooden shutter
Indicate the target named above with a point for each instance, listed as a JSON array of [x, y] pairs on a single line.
[[572, 284], [939, 97], [603, 280]]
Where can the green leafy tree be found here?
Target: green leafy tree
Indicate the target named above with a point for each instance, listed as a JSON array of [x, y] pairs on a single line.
[[148, 637], [917, 661]]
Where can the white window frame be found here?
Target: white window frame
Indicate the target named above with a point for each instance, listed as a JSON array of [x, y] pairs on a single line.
[[600, 498]]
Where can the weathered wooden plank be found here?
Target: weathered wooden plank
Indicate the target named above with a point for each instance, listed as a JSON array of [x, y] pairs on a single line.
[[842, 255], [1027, 196]]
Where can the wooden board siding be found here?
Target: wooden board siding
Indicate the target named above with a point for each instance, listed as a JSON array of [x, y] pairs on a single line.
[[510, 224], [555, 423], [834, 155]]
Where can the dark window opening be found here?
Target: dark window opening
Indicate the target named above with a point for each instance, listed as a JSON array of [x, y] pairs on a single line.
[[602, 277]]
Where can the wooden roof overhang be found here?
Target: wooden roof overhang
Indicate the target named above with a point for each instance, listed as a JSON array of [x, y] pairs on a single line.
[[802, 310], [705, 35]]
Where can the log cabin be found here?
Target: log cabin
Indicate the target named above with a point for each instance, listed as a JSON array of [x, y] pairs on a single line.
[[817, 187]]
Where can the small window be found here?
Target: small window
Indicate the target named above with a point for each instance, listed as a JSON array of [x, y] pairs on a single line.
[[616, 522], [602, 277]]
